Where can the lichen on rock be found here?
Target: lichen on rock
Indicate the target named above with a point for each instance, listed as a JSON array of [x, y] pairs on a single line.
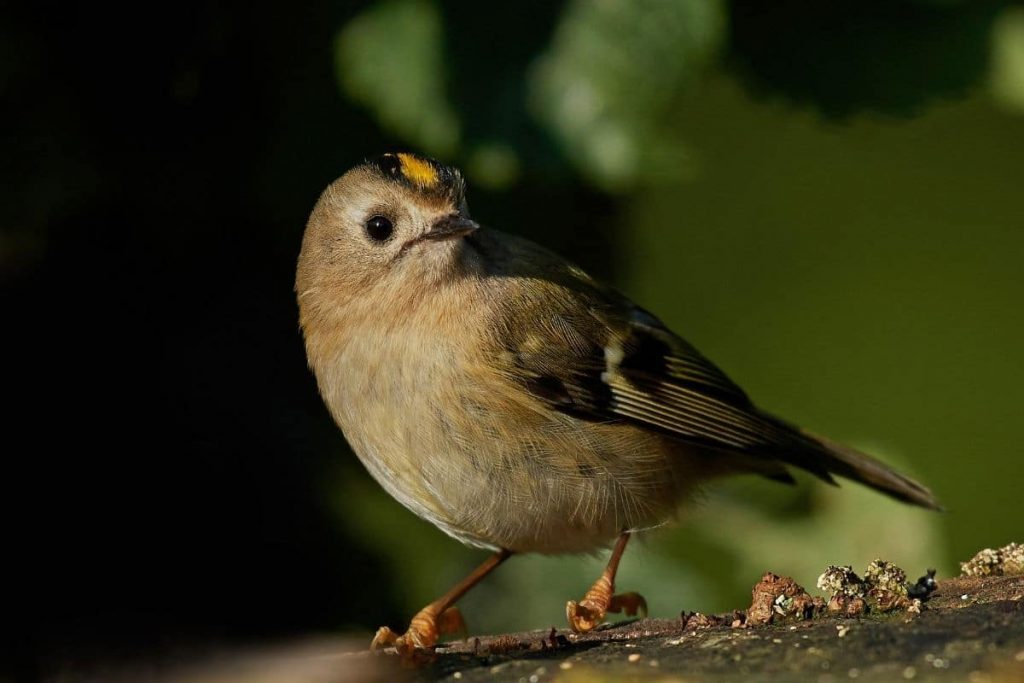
[[1013, 558], [841, 581], [999, 562], [886, 576], [780, 598], [846, 591], [883, 589], [887, 586]]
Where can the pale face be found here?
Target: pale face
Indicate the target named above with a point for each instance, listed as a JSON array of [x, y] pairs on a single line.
[[368, 231]]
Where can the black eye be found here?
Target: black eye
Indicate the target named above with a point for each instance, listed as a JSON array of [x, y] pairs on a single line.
[[379, 228]]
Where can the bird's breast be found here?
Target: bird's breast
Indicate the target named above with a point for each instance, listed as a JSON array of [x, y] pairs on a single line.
[[384, 389], [458, 443]]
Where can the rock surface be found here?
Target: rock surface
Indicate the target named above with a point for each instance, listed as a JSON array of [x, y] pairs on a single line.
[[971, 629]]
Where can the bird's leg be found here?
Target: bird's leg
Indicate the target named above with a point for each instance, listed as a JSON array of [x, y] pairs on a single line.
[[589, 612], [439, 617]]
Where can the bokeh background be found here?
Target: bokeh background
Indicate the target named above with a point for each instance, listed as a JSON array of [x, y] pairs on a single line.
[[826, 198]]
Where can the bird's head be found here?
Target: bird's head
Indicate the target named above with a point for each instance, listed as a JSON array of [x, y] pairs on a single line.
[[394, 222]]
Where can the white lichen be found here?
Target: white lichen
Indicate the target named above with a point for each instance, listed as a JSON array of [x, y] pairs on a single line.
[[988, 562], [886, 576], [841, 581]]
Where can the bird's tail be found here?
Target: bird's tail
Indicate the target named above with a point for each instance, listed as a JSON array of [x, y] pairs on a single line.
[[852, 464], [823, 457]]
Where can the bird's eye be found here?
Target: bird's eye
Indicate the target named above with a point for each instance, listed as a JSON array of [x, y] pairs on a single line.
[[379, 228]]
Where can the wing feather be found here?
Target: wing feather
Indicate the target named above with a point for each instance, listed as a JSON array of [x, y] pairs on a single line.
[[589, 352], [618, 362]]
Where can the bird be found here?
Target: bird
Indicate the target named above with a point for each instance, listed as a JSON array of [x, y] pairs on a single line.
[[500, 392]]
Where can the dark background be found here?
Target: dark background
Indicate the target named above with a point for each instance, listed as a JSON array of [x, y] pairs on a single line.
[[172, 475]]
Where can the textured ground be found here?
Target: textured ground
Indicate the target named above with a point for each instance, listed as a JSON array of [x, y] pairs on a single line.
[[972, 629]]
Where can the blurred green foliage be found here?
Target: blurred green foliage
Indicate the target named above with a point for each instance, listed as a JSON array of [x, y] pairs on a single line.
[[605, 99], [825, 198], [404, 85], [1007, 76]]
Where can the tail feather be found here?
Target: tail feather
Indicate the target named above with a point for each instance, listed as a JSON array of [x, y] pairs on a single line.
[[852, 464]]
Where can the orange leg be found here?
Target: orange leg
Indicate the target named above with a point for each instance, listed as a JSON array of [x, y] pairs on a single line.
[[588, 613], [439, 617]]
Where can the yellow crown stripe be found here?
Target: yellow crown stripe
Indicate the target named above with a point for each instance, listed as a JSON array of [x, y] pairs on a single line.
[[418, 171]]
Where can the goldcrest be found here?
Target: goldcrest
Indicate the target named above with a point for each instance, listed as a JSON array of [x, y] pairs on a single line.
[[498, 391]]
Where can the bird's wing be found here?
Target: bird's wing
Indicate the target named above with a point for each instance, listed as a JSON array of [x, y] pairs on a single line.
[[589, 352]]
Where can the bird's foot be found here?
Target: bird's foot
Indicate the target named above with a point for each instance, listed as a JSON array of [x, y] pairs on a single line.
[[424, 631], [589, 613]]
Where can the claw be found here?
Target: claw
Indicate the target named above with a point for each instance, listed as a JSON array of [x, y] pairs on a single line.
[[452, 623], [584, 616], [589, 613], [632, 604], [438, 618], [384, 637], [424, 631]]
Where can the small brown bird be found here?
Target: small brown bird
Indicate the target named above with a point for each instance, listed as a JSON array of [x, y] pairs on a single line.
[[500, 392]]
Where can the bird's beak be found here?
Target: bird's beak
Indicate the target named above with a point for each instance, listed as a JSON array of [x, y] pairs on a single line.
[[449, 227]]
